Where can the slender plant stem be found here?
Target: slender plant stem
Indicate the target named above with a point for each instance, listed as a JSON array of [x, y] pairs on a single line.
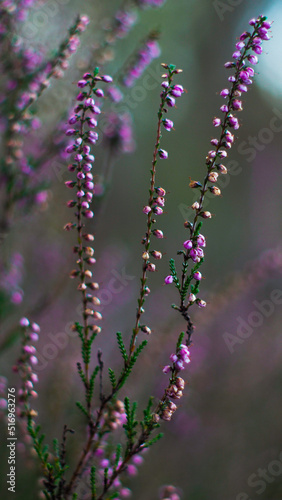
[[147, 241]]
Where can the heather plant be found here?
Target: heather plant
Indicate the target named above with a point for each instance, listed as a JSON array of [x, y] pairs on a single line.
[[117, 430]]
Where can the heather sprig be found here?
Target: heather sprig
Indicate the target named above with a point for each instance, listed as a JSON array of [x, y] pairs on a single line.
[[247, 48], [148, 51], [156, 199], [249, 42], [83, 121]]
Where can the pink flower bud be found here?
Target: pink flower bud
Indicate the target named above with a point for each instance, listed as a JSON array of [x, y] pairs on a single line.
[[146, 210], [188, 244], [169, 280]]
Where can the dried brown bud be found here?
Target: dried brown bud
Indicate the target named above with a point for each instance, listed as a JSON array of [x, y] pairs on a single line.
[[222, 169], [212, 177], [74, 273], [88, 237], [146, 329], [180, 383], [205, 215], [194, 184], [157, 255], [215, 190], [69, 226], [93, 286], [88, 273], [89, 251], [82, 287]]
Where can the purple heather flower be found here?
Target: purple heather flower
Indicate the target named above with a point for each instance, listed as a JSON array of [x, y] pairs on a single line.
[[163, 154], [146, 210], [160, 191], [107, 78], [193, 254], [197, 276], [188, 244], [237, 105], [158, 233], [191, 298], [24, 322], [224, 108], [147, 52], [166, 369], [99, 93], [158, 210], [168, 124], [169, 280], [216, 122], [201, 303], [224, 93], [236, 54], [82, 83], [170, 101], [173, 358], [176, 93], [233, 122]]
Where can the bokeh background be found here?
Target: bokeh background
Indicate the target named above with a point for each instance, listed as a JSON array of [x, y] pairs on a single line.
[[228, 425]]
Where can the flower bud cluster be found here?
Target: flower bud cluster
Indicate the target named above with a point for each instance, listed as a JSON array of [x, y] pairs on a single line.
[[25, 366], [56, 67], [176, 386], [241, 81], [18, 9], [115, 416], [105, 459], [118, 132], [148, 51]]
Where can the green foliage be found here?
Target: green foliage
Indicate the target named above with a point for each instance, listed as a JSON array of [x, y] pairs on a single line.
[[180, 341], [106, 474], [42, 451], [112, 378], [81, 373], [131, 422], [92, 383], [82, 408], [194, 288], [174, 273], [198, 229], [132, 362], [118, 455], [86, 348], [147, 412], [121, 346], [93, 483], [154, 440]]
